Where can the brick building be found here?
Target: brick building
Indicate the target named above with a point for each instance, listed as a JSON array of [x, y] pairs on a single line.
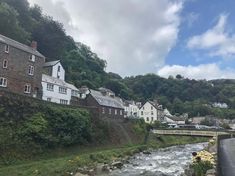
[[20, 67], [108, 106]]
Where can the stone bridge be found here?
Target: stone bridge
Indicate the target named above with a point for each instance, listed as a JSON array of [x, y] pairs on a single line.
[[189, 132]]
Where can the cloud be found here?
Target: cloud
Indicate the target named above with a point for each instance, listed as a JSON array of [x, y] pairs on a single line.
[[204, 71], [134, 36], [217, 40]]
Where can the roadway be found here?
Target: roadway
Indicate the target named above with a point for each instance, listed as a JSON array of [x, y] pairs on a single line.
[[227, 157]]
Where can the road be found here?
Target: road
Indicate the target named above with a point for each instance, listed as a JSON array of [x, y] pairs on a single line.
[[227, 157]]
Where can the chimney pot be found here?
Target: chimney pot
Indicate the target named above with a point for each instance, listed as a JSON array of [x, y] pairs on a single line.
[[34, 45]]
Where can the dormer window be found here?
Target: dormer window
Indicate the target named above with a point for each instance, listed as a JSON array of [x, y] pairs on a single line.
[[7, 48], [58, 68], [32, 58], [5, 63]]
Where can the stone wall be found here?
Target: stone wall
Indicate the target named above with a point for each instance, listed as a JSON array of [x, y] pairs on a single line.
[[16, 72]]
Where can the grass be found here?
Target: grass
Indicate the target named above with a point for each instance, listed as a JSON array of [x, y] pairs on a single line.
[[64, 162]]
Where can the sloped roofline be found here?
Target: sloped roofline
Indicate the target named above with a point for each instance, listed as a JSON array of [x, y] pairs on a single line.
[[18, 45]]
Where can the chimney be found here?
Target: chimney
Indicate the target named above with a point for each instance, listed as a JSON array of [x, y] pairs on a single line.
[[34, 45]]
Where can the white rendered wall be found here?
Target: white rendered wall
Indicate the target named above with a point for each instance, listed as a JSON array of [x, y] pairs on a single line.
[[147, 113], [55, 95], [56, 73]]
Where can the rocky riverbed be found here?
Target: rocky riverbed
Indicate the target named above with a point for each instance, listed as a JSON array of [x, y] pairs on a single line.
[[171, 161]]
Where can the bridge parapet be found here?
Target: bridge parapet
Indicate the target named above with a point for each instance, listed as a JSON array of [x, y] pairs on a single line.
[[189, 132]]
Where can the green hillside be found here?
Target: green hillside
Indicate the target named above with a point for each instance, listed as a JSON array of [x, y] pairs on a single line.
[[83, 67]]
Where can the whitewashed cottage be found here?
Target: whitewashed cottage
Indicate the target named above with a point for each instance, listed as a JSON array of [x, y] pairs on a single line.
[[151, 112], [55, 89]]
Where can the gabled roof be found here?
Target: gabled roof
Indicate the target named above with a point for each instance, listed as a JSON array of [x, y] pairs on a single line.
[[52, 63], [60, 82], [28, 49], [153, 104], [105, 100]]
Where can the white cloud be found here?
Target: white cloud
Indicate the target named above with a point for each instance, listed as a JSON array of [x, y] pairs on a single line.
[[204, 71], [134, 36], [217, 40]]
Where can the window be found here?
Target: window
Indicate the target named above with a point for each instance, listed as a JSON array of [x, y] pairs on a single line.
[[151, 108], [147, 119], [110, 111], [5, 63], [151, 112], [103, 110], [3, 82], [115, 112], [49, 99], [27, 88], [62, 90], [65, 102], [75, 93], [120, 112], [151, 118], [142, 113], [31, 70], [58, 68], [50, 87], [32, 58], [7, 48]]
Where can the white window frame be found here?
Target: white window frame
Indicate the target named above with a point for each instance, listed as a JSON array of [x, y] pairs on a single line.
[[115, 111], [103, 110], [31, 70], [120, 112], [27, 88], [7, 48], [32, 58], [110, 111], [64, 102], [50, 87], [62, 90], [49, 99], [5, 63], [3, 82]]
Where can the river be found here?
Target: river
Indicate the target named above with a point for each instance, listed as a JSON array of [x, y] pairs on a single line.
[[171, 161]]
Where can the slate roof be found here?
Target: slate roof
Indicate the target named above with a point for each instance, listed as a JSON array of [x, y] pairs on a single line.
[[175, 118], [60, 82], [52, 63], [105, 100], [11, 42]]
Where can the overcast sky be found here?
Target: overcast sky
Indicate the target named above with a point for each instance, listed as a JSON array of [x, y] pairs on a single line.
[[194, 38]]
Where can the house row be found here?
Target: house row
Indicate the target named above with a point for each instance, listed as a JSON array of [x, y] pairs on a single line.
[[23, 70]]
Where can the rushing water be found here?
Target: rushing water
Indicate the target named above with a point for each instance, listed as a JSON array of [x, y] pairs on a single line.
[[171, 161]]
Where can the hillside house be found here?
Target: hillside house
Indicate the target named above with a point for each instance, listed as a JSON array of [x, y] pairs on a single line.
[[55, 89], [151, 111], [107, 106], [131, 109], [20, 67], [174, 120]]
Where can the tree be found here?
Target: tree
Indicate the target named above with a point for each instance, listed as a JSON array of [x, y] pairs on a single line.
[[9, 25]]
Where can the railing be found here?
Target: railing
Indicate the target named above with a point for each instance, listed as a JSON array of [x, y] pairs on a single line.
[[189, 132]]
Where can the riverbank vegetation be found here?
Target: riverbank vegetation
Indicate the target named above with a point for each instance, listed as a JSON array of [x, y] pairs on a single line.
[[65, 162]]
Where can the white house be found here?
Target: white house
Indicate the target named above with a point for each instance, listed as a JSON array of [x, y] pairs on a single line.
[[54, 87], [174, 120], [131, 109], [151, 111]]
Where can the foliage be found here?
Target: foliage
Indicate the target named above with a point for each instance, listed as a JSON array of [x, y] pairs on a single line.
[[201, 167], [84, 67]]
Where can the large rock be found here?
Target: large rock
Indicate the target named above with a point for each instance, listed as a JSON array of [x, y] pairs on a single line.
[[117, 164]]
